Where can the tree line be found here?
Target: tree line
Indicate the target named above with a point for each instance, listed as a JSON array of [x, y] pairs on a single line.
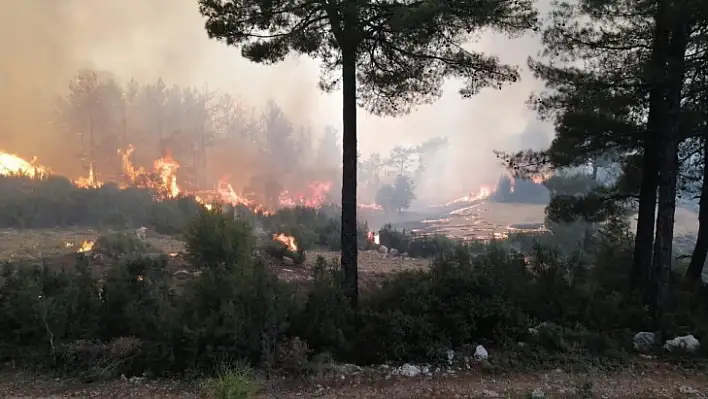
[[206, 131]]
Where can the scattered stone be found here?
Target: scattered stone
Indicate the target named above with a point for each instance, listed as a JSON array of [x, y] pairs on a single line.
[[383, 249], [644, 341], [686, 390], [348, 368], [408, 370], [404, 255], [480, 353], [288, 261], [490, 394], [687, 343], [450, 356], [141, 233], [393, 252], [537, 394]]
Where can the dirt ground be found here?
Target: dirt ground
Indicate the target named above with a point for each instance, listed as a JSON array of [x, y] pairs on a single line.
[[58, 248], [660, 381]]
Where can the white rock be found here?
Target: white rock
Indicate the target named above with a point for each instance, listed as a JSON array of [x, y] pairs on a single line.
[[643, 341], [141, 233], [393, 252], [408, 370], [480, 353], [383, 249], [450, 356], [687, 343], [287, 260]]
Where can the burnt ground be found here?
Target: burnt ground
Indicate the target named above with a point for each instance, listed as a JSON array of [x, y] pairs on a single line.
[[654, 381]]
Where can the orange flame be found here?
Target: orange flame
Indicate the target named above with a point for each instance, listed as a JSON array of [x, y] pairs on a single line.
[[374, 237], [483, 193], [289, 241], [11, 164], [88, 182], [163, 178], [86, 246], [317, 195]]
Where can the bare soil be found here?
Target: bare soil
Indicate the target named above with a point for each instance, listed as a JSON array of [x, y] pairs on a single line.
[[658, 381]]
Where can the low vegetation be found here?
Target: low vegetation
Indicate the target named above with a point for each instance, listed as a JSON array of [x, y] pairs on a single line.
[[238, 313]]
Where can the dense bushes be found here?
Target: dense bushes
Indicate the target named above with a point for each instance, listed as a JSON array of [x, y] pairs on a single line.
[[134, 321], [423, 246], [313, 228], [56, 202]]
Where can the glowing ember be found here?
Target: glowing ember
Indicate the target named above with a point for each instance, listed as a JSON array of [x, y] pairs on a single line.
[[86, 246], [289, 241], [11, 164]]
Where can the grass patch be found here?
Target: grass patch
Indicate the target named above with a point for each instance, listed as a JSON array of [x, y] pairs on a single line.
[[235, 382]]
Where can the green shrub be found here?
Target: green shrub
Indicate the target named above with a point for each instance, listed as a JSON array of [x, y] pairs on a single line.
[[325, 318], [419, 247], [215, 239], [56, 202], [122, 245]]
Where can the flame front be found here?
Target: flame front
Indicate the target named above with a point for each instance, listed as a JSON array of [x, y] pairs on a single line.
[[374, 237], [317, 195], [163, 177], [289, 241], [483, 193], [11, 164]]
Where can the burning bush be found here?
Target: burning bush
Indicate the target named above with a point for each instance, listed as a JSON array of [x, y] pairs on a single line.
[[285, 246]]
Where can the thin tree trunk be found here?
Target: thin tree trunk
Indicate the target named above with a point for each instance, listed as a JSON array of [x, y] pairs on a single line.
[[700, 251], [668, 165], [656, 72], [349, 166]]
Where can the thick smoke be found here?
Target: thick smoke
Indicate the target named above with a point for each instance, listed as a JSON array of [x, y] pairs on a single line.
[[150, 39], [48, 43]]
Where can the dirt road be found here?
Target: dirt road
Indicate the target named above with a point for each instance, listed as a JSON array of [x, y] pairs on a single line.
[[657, 382]]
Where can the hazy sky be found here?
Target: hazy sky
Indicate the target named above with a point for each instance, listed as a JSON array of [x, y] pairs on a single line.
[[147, 39]]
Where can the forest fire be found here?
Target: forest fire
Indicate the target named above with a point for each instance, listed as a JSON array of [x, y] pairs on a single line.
[[288, 241], [162, 178]]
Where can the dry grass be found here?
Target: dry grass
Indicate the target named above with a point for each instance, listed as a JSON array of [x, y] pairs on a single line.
[[47, 243]]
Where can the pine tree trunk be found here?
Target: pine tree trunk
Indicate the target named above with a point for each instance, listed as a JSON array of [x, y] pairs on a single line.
[[668, 164], [656, 73], [644, 237], [700, 251], [349, 166]]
